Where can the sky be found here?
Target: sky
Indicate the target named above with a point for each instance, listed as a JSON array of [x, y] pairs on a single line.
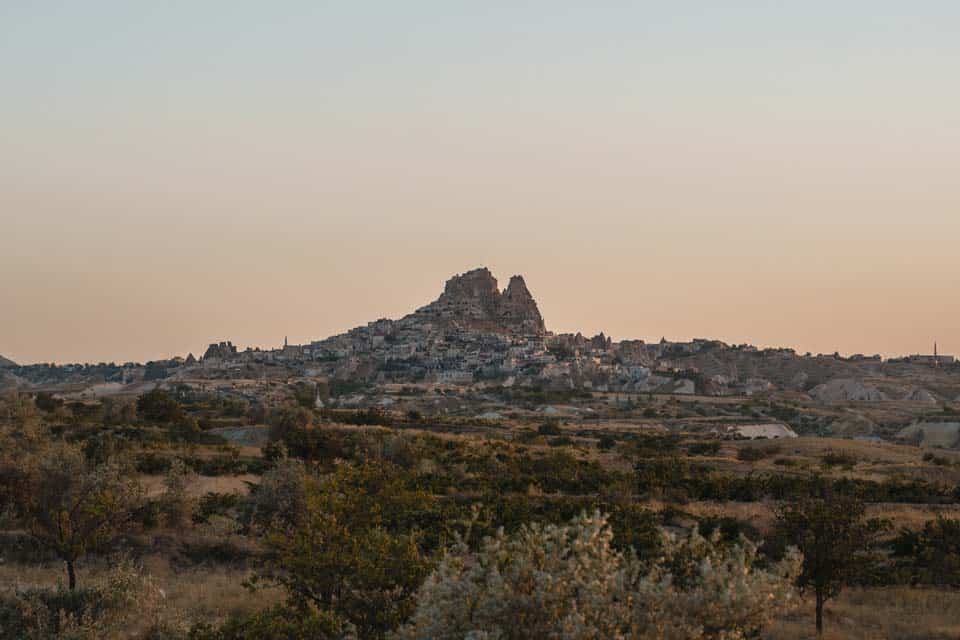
[[178, 173]]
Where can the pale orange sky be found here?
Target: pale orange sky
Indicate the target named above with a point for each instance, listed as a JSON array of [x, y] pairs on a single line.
[[764, 176]]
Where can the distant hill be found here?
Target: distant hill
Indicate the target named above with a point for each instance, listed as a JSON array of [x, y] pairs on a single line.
[[6, 363]]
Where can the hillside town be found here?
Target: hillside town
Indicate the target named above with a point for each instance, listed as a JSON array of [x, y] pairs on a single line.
[[476, 334], [478, 350]]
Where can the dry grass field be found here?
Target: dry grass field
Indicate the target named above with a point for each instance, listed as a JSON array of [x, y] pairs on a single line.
[[207, 593], [201, 485], [895, 613]]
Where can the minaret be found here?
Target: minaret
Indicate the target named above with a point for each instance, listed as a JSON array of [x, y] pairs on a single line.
[[936, 360], [284, 342]]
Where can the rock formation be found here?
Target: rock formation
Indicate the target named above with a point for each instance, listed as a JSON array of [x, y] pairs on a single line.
[[473, 301], [518, 309], [6, 363], [221, 351], [932, 434], [845, 390], [921, 395]]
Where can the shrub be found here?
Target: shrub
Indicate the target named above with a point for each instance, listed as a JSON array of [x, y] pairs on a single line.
[[152, 463], [281, 497], [216, 504], [101, 448], [549, 429], [175, 505], [286, 419], [47, 402], [569, 582], [606, 443], [708, 448], [219, 550], [838, 458], [158, 406], [278, 623], [933, 552], [785, 462], [124, 603], [752, 454]]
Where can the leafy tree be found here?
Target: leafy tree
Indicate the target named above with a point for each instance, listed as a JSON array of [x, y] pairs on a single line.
[[72, 507], [835, 538], [175, 503], [660, 473], [933, 552], [159, 406], [155, 371], [354, 551], [280, 499], [47, 402], [549, 429], [118, 411], [185, 428], [286, 419]]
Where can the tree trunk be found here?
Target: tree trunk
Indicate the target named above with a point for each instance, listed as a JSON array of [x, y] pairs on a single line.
[[819, 616], [71, 575]]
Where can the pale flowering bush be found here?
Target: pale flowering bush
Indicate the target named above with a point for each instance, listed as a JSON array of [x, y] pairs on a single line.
[[568, 582]]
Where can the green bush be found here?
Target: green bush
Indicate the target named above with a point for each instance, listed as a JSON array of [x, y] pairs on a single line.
[[606, 443], [549, 429], [124, 603], [708, 448], [219, 504], [931, 555], [278, 623], [752, 454], [839, 459], [785, 462]]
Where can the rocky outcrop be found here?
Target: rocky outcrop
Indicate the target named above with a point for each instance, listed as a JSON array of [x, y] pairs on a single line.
[[846, 389], [473, 301], [6, 363], [921, 395], [851, 425], [221, 351], [932, 434], [518, 309]]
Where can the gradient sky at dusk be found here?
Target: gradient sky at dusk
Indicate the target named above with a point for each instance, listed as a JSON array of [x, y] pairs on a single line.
[[175, 173]]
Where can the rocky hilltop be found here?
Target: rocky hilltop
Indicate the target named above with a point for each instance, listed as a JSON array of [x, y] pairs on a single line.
[[6, 363], [473, 301]]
